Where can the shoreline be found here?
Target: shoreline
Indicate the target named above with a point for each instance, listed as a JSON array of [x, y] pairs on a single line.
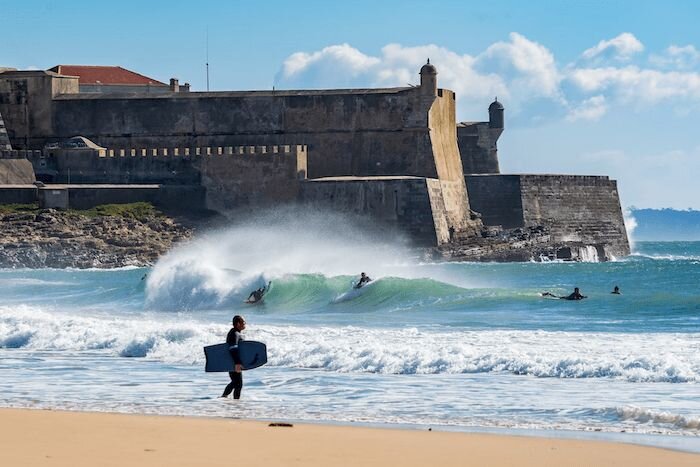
[[98, 438]]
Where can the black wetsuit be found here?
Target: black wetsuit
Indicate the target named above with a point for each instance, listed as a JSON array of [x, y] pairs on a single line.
[[236, 384]]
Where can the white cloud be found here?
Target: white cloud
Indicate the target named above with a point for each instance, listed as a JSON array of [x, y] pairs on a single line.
[[681, 58], [621, 47], [516, 71], [636, 85], [530, 65], [590, 109], [524, 74]]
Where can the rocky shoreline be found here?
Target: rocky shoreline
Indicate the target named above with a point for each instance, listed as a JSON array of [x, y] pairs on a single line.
[[49, 238]]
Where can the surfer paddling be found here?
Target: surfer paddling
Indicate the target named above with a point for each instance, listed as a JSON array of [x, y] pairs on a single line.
[[232, 339], [575, 295]]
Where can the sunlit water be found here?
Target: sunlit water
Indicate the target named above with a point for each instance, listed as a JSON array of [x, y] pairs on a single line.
[[457, 346]]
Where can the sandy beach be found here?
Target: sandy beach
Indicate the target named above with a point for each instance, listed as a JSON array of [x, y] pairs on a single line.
[[57, 438]]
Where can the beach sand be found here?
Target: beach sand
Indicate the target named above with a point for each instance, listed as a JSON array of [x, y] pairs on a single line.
[[57, 438]]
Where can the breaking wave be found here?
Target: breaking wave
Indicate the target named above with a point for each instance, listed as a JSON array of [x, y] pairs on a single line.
[[653, 417], [638, 357]]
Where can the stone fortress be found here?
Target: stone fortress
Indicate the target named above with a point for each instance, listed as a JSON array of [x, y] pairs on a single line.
[[396, 155]]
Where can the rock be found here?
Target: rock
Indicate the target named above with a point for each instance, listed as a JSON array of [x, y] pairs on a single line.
[[61, 239]]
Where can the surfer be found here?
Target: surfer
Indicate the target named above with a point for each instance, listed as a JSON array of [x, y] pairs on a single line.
[[257, 295], [616, 291], [364, 279], [575, 295], [232, 339]]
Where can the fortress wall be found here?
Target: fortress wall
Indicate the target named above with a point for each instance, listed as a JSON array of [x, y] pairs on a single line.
[[404, 203], [15, 168], [362, 132], [4, 140], [477, 147], [497, 198], [16, 172], [443, 136], [17, 194], [120, 166], [263, 176], [26, 103], [170, 166], [577, 208]]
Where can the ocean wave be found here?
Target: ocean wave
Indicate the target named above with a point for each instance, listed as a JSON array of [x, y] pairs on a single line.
[[666, 257], [655, 417], [644, 357]]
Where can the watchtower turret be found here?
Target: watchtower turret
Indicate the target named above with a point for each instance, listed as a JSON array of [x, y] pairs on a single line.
[[496, 119], [428, 79]]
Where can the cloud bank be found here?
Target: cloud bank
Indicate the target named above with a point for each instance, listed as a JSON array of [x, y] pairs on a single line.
[[523, 74]]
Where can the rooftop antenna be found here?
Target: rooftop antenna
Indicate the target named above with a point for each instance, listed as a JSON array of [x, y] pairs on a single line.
[[207, 58]]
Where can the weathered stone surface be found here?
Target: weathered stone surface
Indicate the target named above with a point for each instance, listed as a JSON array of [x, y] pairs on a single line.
[[63, 239], [578, 210]]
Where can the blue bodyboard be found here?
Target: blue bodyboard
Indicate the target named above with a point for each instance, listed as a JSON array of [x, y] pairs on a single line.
[[253, 354]]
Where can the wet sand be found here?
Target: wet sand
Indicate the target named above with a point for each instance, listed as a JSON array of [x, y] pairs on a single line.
[[57, 438]]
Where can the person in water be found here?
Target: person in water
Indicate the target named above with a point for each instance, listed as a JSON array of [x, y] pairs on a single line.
[[364, 279], [257, 295], [575, 295], [616, 291], [232, 339]]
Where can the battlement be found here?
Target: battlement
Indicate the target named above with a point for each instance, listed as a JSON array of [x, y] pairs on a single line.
[[281, 150], [19, 154]]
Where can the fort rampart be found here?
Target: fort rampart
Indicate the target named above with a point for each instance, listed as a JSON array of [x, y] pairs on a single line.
[[396, 154], [578, 209]]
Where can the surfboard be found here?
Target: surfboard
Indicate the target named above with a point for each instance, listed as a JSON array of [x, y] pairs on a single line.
[[253, 354]]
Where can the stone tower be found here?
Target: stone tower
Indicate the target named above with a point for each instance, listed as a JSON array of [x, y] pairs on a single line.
[[428, 79], [496, 119]]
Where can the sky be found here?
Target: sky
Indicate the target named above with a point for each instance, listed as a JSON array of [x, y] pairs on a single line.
[[589, 87]]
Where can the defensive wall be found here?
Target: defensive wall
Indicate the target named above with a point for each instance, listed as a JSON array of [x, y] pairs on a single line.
[[360, 132], [231, 177], [396, 154], [413, 205], [478, 142], [578, 209], [4, 140], [15, 168]]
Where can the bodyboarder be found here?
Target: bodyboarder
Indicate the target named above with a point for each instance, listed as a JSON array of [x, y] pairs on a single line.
[[364, 279], [232, 339]]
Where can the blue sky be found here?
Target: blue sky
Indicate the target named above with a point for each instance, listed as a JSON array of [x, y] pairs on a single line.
[[590, 87]]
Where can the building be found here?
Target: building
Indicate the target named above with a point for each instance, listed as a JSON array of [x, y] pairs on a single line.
[[395, 154]]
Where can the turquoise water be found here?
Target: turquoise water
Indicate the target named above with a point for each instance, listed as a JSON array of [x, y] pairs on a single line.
[[453, 345]]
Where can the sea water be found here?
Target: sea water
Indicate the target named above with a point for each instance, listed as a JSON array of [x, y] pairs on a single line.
[[465, 346]]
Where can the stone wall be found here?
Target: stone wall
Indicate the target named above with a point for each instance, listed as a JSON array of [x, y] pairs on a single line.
[[18, 194], [411, 205], [443, 138], [26, 103], [497, 198], [577, 209], [232, 177], [252, 176], [477, 147], [349, 132], [4, 140], [15, 169]]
